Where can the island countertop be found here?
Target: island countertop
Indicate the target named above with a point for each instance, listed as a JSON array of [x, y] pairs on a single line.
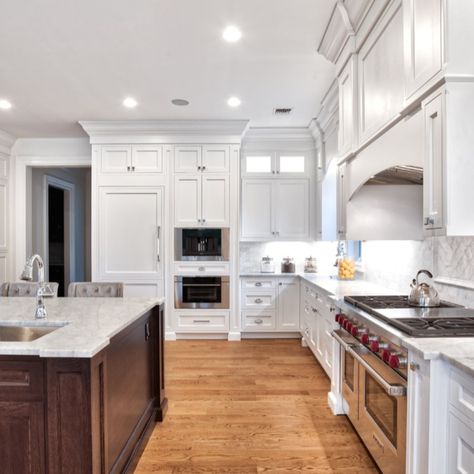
[[86, 325]]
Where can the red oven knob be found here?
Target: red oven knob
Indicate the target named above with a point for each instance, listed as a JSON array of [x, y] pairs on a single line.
[[344, 323], [338, 317], [365, 338], [354, 330], [386, 355], [348, 326], [396, 361], [374, 346]]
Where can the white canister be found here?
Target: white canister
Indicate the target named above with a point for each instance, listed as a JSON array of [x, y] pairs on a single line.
[[267, 265]]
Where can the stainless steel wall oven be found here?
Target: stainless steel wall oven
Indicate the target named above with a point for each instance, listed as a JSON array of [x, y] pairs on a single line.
[[201, 292]]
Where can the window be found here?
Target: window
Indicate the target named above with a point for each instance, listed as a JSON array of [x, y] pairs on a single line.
[[292, 164], [258, 164]]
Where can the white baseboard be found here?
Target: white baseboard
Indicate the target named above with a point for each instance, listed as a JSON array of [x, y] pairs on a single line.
[[234, 336], [170, 336], [271, 335], [336, 404], [202, 336]]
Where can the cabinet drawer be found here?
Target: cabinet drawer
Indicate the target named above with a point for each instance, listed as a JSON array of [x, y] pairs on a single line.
[[203, 322], [257, 283], [259, 300], [197, 268], [461, 394], [258, 321], [21, 380]]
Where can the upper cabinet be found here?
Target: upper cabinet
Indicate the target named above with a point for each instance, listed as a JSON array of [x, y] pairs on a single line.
[[276, 209], [423, 44], [201, 159], [381, 73], [126, 159], [348, 107]]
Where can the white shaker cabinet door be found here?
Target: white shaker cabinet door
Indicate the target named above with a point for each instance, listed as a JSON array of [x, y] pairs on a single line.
[[423, 42], [187, 200], [215, 159], [215, 201], [187, 159], [130, 232], [147, 159], [292, 209], [115, 159], [257, 209], [288, 304]]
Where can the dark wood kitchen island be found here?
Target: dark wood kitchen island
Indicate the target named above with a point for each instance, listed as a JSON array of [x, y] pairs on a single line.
[[84, 397]]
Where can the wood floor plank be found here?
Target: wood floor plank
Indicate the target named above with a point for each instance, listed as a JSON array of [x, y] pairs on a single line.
[[256, 406]]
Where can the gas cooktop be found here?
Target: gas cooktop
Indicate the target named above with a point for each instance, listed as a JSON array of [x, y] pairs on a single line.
[[446, 320]]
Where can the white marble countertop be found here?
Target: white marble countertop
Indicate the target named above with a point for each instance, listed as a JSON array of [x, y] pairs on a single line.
[[458, 351], [86, 325]]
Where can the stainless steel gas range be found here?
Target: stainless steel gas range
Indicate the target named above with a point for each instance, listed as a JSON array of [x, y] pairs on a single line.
[[374, 365]]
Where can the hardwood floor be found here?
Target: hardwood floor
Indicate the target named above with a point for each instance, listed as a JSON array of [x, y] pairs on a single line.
[[249, 407]]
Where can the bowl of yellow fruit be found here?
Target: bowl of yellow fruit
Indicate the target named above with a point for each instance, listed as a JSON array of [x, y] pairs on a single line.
[[346, 269]]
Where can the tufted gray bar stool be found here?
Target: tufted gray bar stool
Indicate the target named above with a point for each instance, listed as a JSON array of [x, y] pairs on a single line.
[[25, 288], [95, 290]]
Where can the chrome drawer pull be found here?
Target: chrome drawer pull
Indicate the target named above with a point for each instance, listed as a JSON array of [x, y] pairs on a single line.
[[259, 321], [258, 283], [201, 269], [201, 320], [258, 300]]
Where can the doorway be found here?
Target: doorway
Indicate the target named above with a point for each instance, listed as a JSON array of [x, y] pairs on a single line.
[[60, 223]]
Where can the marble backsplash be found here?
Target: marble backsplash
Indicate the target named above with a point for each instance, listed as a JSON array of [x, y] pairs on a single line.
[[392, 264]]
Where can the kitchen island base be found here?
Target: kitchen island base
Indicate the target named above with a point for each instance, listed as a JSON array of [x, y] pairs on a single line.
[[83, 415]]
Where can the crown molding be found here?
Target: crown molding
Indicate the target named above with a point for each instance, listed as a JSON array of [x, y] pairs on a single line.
[[300, 137], [165, 131], [6, 142]]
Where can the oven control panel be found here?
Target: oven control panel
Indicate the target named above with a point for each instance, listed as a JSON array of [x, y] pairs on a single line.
[[394, 356]]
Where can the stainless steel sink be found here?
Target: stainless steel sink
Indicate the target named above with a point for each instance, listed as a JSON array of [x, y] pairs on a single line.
[[24, 333]]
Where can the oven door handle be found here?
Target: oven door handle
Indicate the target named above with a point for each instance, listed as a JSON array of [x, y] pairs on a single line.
[[392, 390]]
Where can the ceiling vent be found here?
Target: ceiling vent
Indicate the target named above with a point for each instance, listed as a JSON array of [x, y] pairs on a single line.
[[282, 111]]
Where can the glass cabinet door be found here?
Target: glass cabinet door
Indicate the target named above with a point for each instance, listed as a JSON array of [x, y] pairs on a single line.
[[291, 164], [258, 164]]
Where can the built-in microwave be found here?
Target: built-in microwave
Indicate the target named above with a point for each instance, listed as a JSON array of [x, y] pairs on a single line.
[[201, 244], [201, 292]]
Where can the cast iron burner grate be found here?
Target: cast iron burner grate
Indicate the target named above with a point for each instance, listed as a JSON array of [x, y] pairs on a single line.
[[368, 303]]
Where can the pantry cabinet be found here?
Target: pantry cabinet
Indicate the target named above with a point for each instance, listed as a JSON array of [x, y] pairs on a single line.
[[270, 304], [276, 209], [201, 200], [422, 25], [201, 159]]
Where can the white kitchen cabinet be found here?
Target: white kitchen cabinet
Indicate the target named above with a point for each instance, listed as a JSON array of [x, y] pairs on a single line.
[[434, 166], [258, 164], [341, 201], [291, 214], [204, 321], [202, 159], [275, 209], [187, 158], [460, 446], [348, 93], [288, 304], [268, 164], [422, 25], [381, 73], [201, 200], [215, 200], [272, 306], [257, 209], [130, 233], [131, 159], [215, 159]]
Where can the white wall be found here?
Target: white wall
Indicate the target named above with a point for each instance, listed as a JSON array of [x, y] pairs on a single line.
[[80, 178]]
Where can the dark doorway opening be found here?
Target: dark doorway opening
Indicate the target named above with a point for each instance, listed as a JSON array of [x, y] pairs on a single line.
[[56, 233]]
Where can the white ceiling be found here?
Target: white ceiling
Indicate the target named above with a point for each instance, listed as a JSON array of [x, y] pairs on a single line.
[[67, 60]]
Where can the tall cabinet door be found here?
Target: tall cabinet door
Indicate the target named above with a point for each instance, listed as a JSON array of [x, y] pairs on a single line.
[[187, 200], [292, 209], [288, 304], [257, 209], [433, 167], [215, 201], [130, 221]]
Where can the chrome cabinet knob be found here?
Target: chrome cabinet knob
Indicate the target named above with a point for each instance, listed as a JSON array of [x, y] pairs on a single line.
[[259, 321], [258, 283], [258, 300]]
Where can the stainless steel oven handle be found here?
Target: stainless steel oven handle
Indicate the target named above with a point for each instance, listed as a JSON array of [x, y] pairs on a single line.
[[392, 390]]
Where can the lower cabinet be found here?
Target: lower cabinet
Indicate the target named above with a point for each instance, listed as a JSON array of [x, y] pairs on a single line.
[[270, 304], [205, 321], [317, 321]]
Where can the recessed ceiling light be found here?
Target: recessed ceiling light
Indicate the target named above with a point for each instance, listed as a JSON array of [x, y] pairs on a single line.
[[5, 104], [180, 102], [130, 103], [233, 102], [232, 34]]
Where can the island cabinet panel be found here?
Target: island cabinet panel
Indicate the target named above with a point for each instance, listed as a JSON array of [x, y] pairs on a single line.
[[84, 415]]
